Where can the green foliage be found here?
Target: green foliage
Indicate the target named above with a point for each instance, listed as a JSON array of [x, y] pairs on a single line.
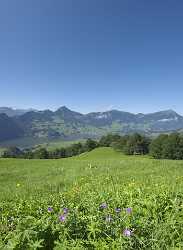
[[156, 146], [90, 145], [106, 141], [167, 147], [57, 153], [41, 153], [173, 147], [120, 144], [137, 144], [132, 144], [152, 188]]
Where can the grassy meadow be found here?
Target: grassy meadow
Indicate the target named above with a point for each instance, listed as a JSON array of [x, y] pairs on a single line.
[[97, 200]]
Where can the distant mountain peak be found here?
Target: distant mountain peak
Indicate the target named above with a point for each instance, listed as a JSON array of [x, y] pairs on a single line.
[[171, 111], [67, 111], [63, 108]]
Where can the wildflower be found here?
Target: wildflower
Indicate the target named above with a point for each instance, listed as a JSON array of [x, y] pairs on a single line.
[[127, 232], [62, 218], [118, 210], [108, 218], [66, 210], [50, 209], [18, 185], [103, 205], [129, 210]]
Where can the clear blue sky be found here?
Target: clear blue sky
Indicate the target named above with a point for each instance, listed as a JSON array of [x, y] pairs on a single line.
[[92, 55]]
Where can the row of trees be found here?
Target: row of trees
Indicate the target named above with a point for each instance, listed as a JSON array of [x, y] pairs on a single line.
[[164, 146], [43, 153], [64, 152]]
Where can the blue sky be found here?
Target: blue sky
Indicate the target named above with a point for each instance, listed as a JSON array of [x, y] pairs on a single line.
[[92, 55]]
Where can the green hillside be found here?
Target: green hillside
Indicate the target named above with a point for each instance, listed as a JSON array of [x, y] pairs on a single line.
[[101, 154], [151, 188]]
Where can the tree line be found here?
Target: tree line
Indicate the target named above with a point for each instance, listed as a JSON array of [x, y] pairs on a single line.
[[43, 153], [161, 147]]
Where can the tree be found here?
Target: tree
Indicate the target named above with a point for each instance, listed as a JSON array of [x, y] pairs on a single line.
[[28, 154], [41, 153], [90, 145], [77, 148], [173, 148], [136, 144], [57, 153], [157, 145], [107, 140], [120, 143], [167, 147], [179, 153]]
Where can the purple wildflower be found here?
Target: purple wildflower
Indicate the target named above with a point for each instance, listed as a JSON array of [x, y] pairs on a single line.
[[66, 210], [127, 232], [50, 209], [129, 210], [118, 210], [108, 218], [103, 205], [62, 218]]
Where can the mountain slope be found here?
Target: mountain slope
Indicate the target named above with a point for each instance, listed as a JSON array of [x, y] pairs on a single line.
[[9, 129], [67, 124]]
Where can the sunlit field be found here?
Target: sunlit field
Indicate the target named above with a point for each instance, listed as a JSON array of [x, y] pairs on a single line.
[[98, 200]]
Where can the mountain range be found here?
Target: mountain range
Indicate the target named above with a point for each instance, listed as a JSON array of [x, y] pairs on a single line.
[[67, 124], [14, 112]]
